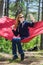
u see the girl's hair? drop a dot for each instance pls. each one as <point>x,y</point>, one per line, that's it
<point>17,20</point>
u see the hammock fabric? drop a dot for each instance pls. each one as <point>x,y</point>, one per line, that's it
<point>6,30</point>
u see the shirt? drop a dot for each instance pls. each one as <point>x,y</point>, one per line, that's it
<point>23,30</point>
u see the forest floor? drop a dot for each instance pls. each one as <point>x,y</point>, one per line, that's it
<point>31,58</point>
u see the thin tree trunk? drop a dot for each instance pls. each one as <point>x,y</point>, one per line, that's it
<point>6,7</point>
<point>39,11</point>
<point>41,44</point>
<point>26,10</point>
<point>19,8</point>
<point>1,8</point>
<point>38,20</point>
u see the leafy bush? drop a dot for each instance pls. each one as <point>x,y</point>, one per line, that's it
<point>34,42</point>
<point>6,45</point>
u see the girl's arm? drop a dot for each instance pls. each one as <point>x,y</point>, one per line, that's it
<point>31,24</point>
<point>15,31</point>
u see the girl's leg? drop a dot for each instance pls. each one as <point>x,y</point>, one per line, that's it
<point>20,50</point>
<point>14,49</point>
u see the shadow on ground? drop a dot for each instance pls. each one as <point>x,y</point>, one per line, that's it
<point>29,60</point>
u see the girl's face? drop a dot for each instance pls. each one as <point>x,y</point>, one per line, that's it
<point>21,18</point>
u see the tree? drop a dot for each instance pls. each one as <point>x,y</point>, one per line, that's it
<point>41,44</point>
<point>39,11</point>
<point>27,7</point>
<point>6,8</point>
<point>19,6</point>
<point>16,7</point>
<point>1,8</point>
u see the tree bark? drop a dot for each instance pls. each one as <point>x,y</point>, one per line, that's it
<point>1,8</point>
<point>39,11</point>
<point>6,8</point>
<point>41,44</point>
<point>26,10</point>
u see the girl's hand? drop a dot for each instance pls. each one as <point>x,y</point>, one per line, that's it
<point>32,18</point>
<point>13,26</point>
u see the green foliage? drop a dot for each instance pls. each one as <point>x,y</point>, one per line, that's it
<point>32,43</point>
<point>14,7</point>
<point>5,46</point>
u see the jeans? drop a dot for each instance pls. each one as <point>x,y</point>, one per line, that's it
<point>16,43</point>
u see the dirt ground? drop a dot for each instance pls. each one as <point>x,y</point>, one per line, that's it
<point>31,58</point>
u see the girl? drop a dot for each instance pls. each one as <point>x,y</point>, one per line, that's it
<point>21,29</point>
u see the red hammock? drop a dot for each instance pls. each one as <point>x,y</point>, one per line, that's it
<point>6,30</point>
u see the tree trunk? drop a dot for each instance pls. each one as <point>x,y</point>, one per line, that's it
<point>39,11</point>
<point>6,8</point>
<point>38,20</point>
<point>1,8</point>
<point>26,10</point>
<point>19,7</point>
<point>41,44</point>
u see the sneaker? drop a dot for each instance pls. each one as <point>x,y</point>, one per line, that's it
<point>22,57</point>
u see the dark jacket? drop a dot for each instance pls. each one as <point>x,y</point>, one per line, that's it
<point>22,29</point>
